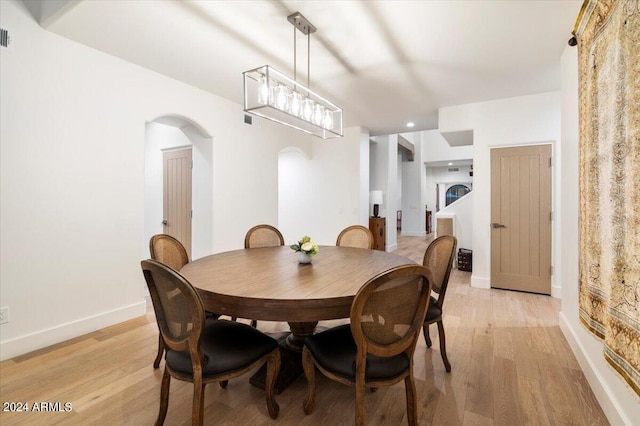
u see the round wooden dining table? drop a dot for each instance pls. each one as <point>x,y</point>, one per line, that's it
<point>269,284</point>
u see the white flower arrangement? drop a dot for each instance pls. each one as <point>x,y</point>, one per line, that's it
<point>306,246</point>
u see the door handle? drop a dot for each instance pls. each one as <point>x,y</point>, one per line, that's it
<point>498,225</point>
<point>164,222</point>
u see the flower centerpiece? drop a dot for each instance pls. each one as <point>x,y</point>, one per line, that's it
<point>305,248</point>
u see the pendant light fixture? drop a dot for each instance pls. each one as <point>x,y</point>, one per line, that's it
<point>270,94</point>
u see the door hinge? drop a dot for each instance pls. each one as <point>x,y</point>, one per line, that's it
<point>550,162</point>
<point>550,270</point>
<point>192,164</point>
<point>191,214</point>
<point>551,216</point>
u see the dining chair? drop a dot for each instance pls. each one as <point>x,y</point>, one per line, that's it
<point>377,348</point>
<point>168,250</point>
<point>356,236</point>
<point>262,236</point>
<point>201,350</point>
<point>438,259</point>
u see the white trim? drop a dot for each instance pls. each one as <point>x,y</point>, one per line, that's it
<point>610,405</point>
<point>392,247</point>
<point>556,290</point>
<point>480,282</point>
<point>57,334</point>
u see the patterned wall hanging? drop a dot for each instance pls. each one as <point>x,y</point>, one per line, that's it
<point>608,35</point>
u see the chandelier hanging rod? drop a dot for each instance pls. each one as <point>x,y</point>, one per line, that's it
<point>274,96</point>
<point>303,25</point>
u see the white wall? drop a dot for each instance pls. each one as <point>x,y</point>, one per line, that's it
<point>202,192</point>
<point>443,175</point>
<point>159,137</point>
<point>516,121</point>
<point>429,193</point>
<point>446,179</point>
<point>365,164</point>
<point>383,176</point>
<point>436,148</point>
<point>72,180</point>
<point>616,399</point>
<point>462,213</point>
<point>321,195</point>
<point>399,184</point>
<point>413,197</point>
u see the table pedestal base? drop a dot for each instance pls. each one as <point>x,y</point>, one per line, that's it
<point>290,356</point>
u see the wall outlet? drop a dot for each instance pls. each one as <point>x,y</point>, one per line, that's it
<point>4,315</point>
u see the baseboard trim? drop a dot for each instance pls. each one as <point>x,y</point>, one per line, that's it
<point>50,336</point>
<point>391,247</point>
<point>480,282</point>
<point>556,292</point>
<point>605,396</point>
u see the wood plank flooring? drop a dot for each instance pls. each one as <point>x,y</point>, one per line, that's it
<point>510,366</point>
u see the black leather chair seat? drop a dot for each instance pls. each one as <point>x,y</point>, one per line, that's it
<point>227,345</point>
<point>433,311</point>
<point>335,350</point>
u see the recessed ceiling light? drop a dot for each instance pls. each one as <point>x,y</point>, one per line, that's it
<point>450,164</point>
<point>411,124</point>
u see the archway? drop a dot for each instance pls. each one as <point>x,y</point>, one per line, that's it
<point>170,132</point>
<point>295,200</point>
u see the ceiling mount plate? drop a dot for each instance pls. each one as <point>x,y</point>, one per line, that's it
<point>301,23</point>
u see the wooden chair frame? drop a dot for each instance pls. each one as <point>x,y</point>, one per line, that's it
<point>155,255</point>
<point>247,244</point>
<point>440,288</point>
<point>364,346</point>
<point>192,344</point>
<point>247,238</point>
<point>352,229</point>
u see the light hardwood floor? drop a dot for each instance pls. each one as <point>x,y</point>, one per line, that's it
<point>510,366</point>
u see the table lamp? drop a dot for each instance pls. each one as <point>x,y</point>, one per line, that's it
<point>376,200</point>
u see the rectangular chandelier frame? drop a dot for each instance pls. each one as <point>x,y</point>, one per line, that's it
<point>270,94</point>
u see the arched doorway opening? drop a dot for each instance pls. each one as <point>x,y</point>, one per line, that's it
<point>295,201</point>
<point>170,133</point>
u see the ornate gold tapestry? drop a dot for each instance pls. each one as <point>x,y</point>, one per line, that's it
<point>608,34</point>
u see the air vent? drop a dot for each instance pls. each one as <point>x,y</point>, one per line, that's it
<point>4,37</point>
<point>453,169</point>
<point>247,119</point>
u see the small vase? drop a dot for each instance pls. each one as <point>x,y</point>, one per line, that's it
<point>303,257</point>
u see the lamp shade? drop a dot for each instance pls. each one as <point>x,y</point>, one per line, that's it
<point>376,197</point>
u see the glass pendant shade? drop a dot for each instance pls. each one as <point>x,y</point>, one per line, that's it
<point>296,104</point>
<point>270,94</point>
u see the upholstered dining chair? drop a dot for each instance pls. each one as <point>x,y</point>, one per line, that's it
<point>438,259</point>
<point>168,250</point>
<point>262,236</point>
<point>356,236</point>
<point>377,348</point>
<point>201,350</point>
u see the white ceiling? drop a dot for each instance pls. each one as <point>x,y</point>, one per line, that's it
<point>384,62</point>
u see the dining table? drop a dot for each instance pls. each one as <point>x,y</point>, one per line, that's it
<point>269,284</point>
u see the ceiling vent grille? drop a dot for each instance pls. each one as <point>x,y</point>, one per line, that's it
<point>4,37</point>
<point>453,169</point>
